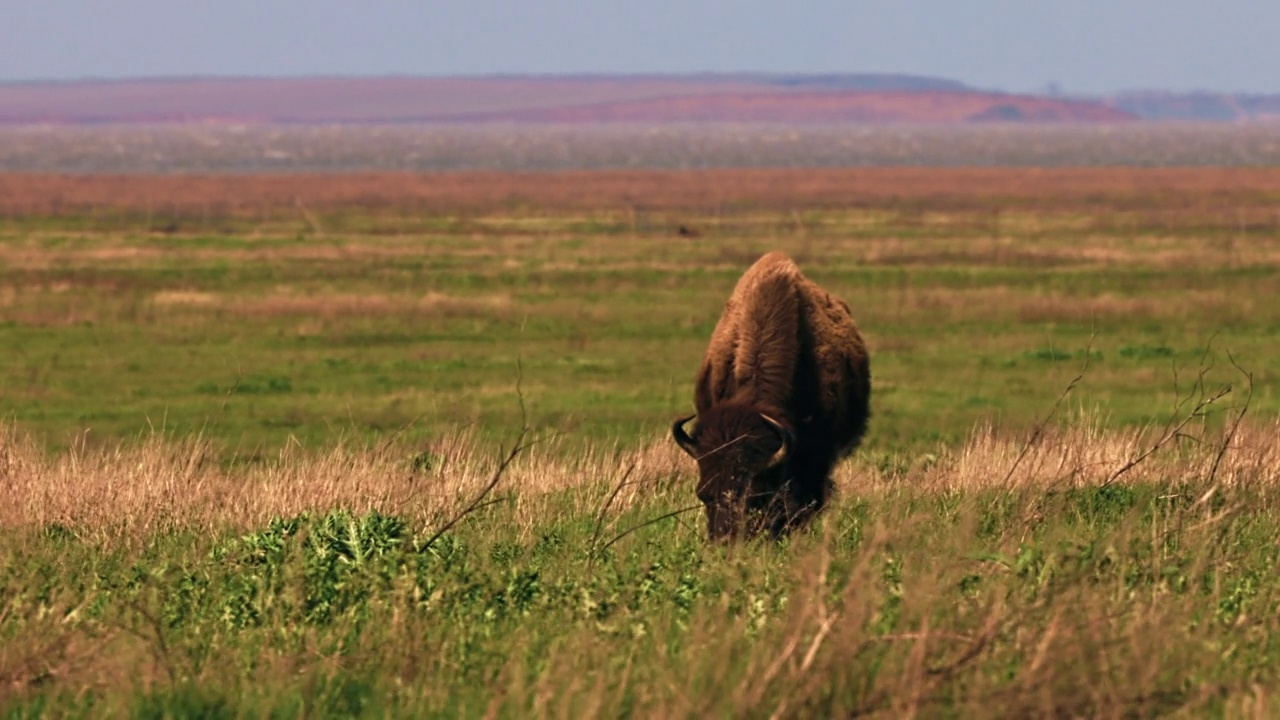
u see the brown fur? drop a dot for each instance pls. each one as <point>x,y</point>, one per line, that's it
<point>784,349</point>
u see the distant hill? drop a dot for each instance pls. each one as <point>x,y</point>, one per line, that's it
<point>1200,106</point>
<point>824,107</point>
<point>871,82</point>
<point>733,97</point>
<point>327,99</point>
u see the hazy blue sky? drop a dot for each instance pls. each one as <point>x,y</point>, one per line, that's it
<point>1084,45</point>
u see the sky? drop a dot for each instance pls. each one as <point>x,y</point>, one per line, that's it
<point>1083,46</point>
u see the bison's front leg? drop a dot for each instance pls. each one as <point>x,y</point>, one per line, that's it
<point>792,516</point>
<point>792,508</point>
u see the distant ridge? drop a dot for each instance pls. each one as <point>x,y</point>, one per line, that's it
<point>1199,106</point>
<point>824,107</point>
<point>873,98</point>
<point>869,82</point>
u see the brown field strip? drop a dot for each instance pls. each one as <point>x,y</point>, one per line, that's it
<point>24,194</point>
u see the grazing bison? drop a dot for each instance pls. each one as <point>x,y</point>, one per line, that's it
<point>783,394</point>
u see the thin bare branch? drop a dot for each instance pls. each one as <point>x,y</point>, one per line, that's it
<point>155,642</point>
<point>989,633</point>
<point>649,522</point>
<point>1230,433</point>
<point>1169,434</point>
<point>617,489</point>
<point>479,500</point>
<point>1044,423</point>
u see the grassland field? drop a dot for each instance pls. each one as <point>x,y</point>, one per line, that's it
<point>306,322</point>
<point>242,414</point>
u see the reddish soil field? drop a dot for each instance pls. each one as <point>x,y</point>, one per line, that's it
<point>1194,189</point>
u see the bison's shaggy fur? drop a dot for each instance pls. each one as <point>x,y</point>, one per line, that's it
<point>782,395</point>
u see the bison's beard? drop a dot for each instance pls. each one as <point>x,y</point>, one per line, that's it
<point>775,515</point>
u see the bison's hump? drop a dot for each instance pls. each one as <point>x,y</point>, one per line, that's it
<point>774,316</point>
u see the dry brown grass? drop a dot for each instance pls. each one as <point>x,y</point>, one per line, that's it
<point>140,488</point>
<point>155,484</point>
<point>335,305</point>
<point>1087,454</point>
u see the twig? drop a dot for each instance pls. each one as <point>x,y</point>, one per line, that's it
<point>306,215</point>
<point>479,500</point>
<point>1235,425</point>
<point>1196,387</point>
<point>1039,429</point>
<point>491,501</point>
<point>825,621</point>
<point>821,635</point>
<point>226,399</point>
<point>984,639</point>
<point>934,675</point>
<point>1168,435</point>
<point>1173,427</point>
<point>916,636</point>
<point>617,489</point>
<point>825,618</point>
<point>649,522</point>
<point>386,443</point>
<point>762,684</point>
<point>159,648</point>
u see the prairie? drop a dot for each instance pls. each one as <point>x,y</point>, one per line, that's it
<point>368,305</point>
<point>371,445</point>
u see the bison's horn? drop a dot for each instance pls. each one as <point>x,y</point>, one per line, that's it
<point>784,451</point>
<point>682,438</point>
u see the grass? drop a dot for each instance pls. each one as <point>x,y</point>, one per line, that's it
<point>994,578</point>
<point>268,332</point>
<point>238,462</point>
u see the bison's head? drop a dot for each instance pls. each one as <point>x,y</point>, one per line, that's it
<point>743,465</point>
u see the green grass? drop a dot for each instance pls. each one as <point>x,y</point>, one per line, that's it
<point>255,339</point>
<point>1134,600</point>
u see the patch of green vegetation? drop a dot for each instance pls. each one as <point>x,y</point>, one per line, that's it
<point>338,613</point>
<point>1051,354</point>
<point>1146,352</point>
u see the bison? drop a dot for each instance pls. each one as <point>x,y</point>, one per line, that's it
<point>783,393</point>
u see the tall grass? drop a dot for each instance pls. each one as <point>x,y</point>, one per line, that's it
<point>999,578</point>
